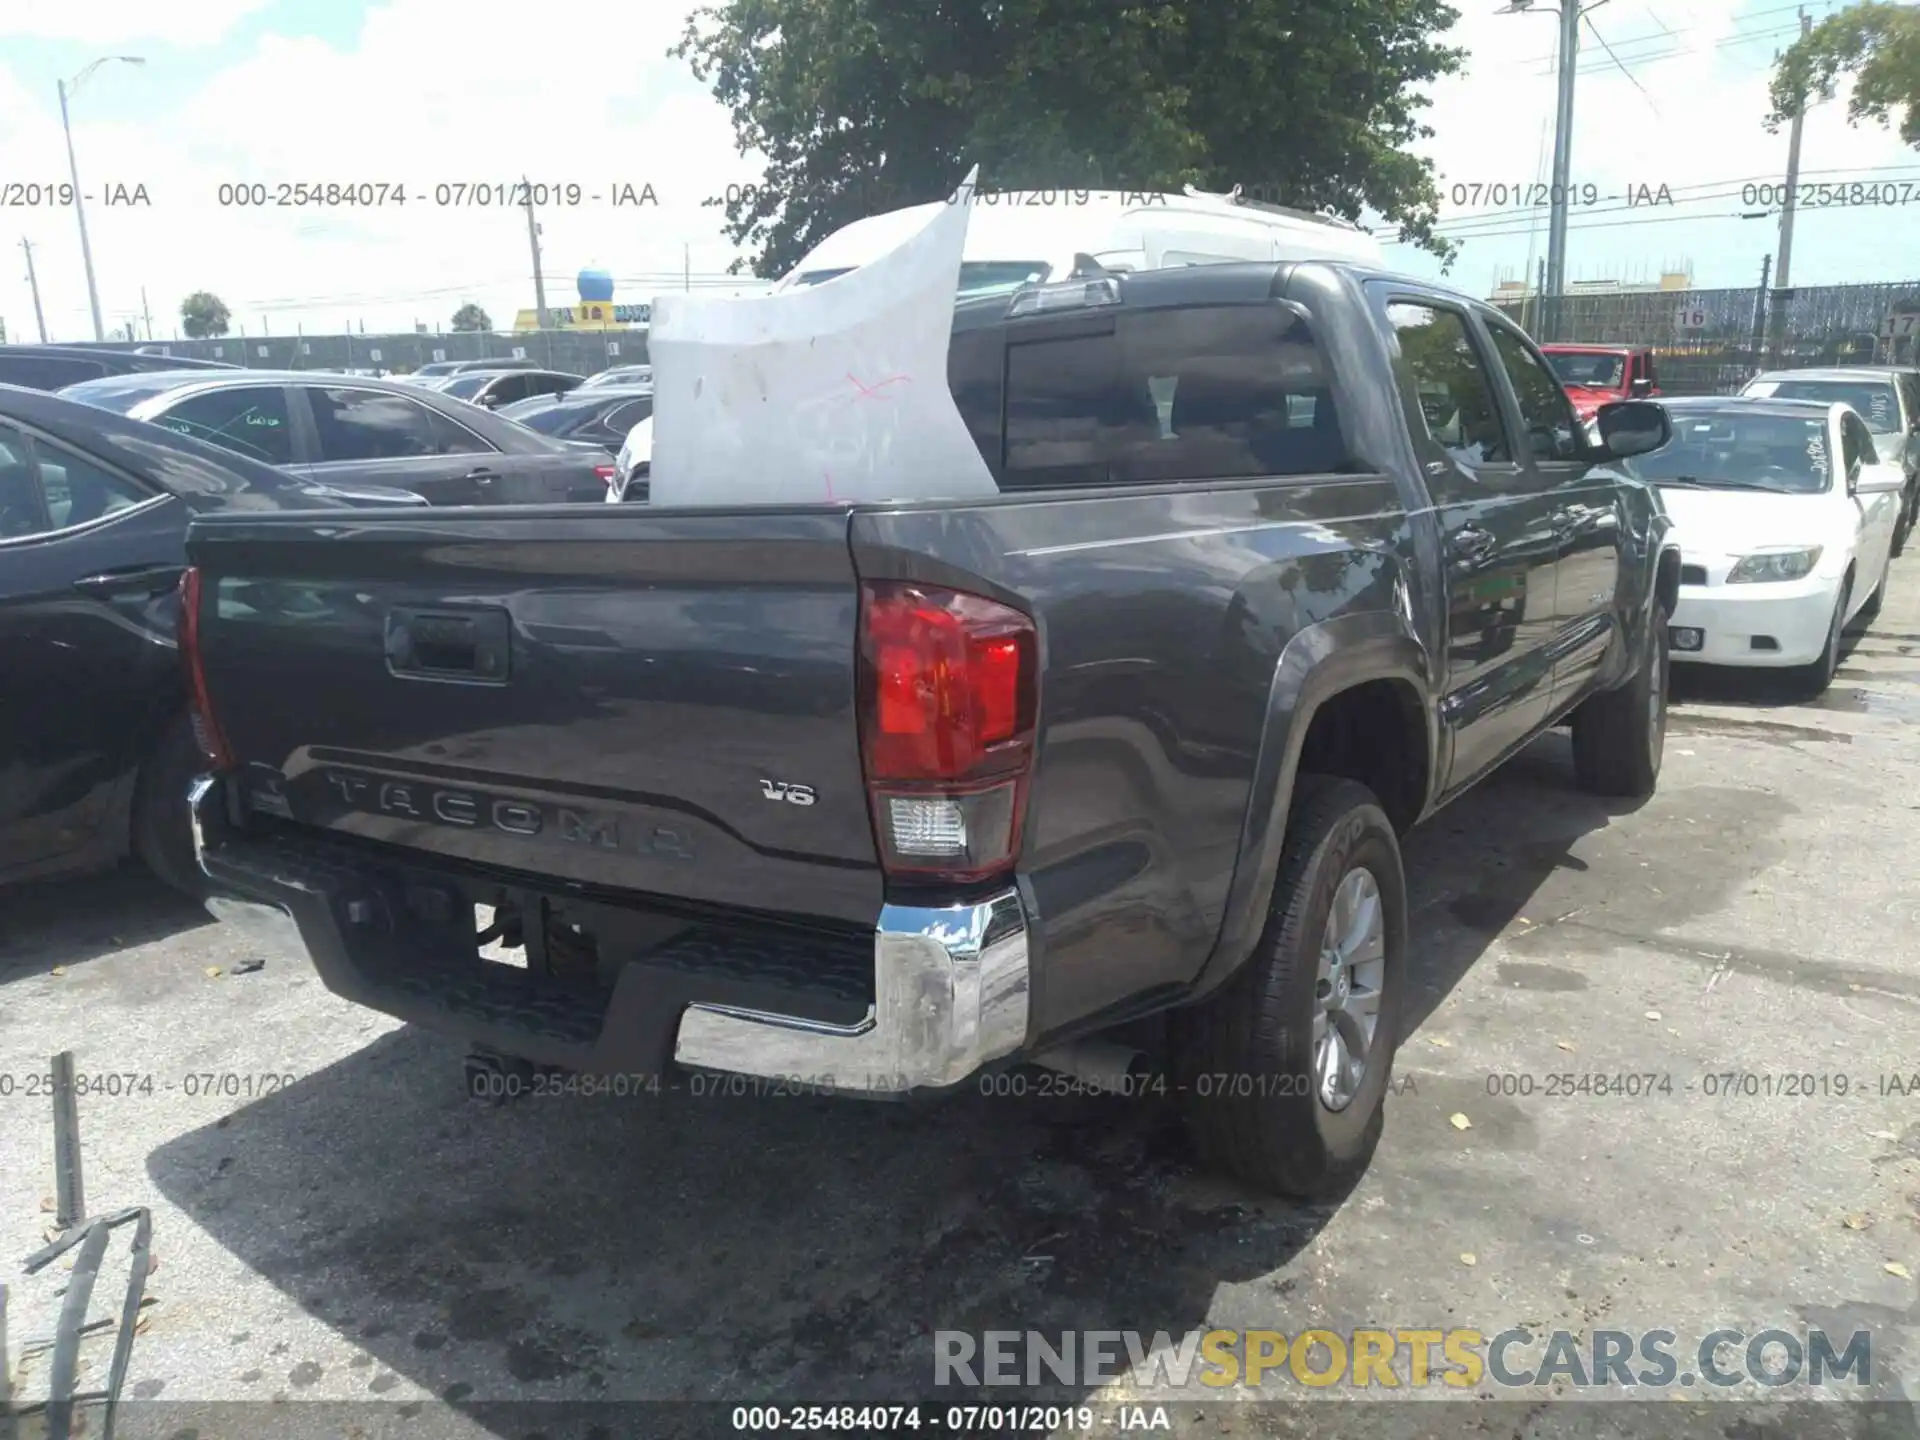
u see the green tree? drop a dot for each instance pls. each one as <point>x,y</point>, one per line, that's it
<point>471,317</point>
<point>867,105</point>
<point>204,315</point>
<point>1878,44</point>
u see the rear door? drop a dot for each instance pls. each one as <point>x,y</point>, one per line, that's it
<point>1589,514</point>
<point>379,437</point>
<point>88,561</point>
<point>1500,541</point>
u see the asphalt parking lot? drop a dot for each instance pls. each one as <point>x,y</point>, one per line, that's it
<point>363,1231</point>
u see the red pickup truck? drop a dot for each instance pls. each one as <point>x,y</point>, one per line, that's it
<point>1597,375</point>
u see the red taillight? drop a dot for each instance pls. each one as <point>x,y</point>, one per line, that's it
<point>206,729</point>
<point>606,474</point>
<point>947,683</point>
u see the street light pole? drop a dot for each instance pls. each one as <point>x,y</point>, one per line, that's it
<point>1570,12</point>
<point>1562,164</point>
<point>73,168</point>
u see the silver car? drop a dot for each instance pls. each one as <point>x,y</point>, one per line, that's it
<point>1887,398</point>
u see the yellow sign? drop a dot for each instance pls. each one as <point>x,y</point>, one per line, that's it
<point>586,315</point>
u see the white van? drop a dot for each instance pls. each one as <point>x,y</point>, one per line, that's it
<point>1025,237</point>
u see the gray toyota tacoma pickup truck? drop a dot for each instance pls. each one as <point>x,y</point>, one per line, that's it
<point>882,798</point>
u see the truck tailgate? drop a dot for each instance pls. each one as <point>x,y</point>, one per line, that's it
<point>647,701</point>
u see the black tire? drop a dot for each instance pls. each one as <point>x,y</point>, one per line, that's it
<point>1871,609</point>
<point>1249,1046</point>
<point>162,835</point>
<point>1815,678</point>
<point>1620,735</point>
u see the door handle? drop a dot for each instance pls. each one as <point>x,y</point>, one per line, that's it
<point>483,476</point>
<point>131,580</point>
<point>1471,542</point>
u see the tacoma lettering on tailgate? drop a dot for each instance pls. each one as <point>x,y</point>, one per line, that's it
<point>474,809</point>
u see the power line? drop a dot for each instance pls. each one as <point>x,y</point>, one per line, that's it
<point>1616,60</point>
<point>1738,35</point>
<point>1707,190</point>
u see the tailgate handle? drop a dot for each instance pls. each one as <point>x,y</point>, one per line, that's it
<point>464,646</point>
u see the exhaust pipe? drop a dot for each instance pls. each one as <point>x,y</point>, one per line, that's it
<point>1102,1064</point>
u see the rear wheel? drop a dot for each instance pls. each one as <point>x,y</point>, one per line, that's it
<point>162,833</point>
<point>1620,736</point>
<point>1284,1070</point>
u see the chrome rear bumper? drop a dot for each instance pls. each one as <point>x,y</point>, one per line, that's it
<point>951,994</point>
<point>951,983</point>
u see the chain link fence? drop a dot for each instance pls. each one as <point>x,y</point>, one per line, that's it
<point>1713,341</point>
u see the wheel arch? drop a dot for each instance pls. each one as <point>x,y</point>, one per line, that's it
<point>1351,696</point>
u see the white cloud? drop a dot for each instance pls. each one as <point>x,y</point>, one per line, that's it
<point>115,22</point>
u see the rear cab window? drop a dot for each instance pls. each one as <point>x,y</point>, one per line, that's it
<point>1181,393</point>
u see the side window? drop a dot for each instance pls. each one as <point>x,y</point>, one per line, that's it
<point>1216,392</point>
<point>623,418</point>
<point>250,420</point>
<point>550,384</point>
<point>1552,429</point>
<point>1455,392</point>
<point>1647,369</point>
<point>47,372</point>
<point>509,388</point>
<point>373,425</point>
<point>45,488</point>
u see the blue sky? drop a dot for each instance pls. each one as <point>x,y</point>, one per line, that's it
<point>420,92</point>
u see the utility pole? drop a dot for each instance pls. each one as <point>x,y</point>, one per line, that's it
<point>533,239</point>
<point>33,284</point>
<point>1562,163</point>
<point>1760,315</point>
<point>1784,280</point>
<point>146,311</point>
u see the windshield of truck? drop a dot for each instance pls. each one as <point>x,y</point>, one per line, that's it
<point>1734,449</point>
<point>1874,399</point>
<point>1594,369</point>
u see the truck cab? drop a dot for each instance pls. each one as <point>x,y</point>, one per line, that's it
<point>1596,375</point>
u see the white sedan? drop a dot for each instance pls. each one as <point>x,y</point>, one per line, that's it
<point>1785,516</point>
<point>633,463</point>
